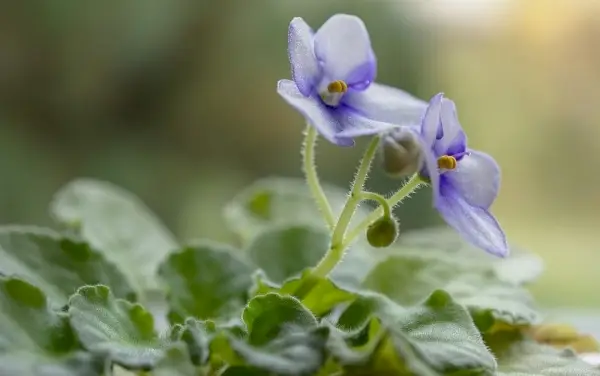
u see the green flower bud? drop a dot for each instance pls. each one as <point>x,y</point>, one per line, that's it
<point>400,153</point>
<point>383,232</point>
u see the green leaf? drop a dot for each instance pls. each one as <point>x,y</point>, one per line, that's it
<point>176,362</point>
<point>200,337</point>
<point>445,336</point>
<point>531,359</point>
<point>35,364</point>
<point>244,371</point>
<point>285,251</point>
<point>58,264</point>
<point>492,302</point>
<point>292,353</point>
<point>115,328</point>
<point>266,316</point>
<point>33,336</point>
<point>280,201</point>
<point>409,277</point>
<point>445,244</point>
<point>117,223</point>
<point>350,348</point>
<point>205,281</point>
<point>437,335</point>
<point>322,297</point>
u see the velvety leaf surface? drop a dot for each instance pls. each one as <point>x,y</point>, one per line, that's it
<point>474,279</point>
<point>323,295</point>
<point>266,316</point>
<point>446,244</point>
<point>57,264</point>
<point>437,335</point>
<point>118,224</point>
<point>281,202</point>
<point>26,363</point>
<point>442,332</point>
<point>274,201</point>
<point>34,339</point>
<point>205,281</point>
<point>290,353</point>
<point>115,328</point>
<point>285,251</point>
<point>531,359</point>
<point>176,362</point>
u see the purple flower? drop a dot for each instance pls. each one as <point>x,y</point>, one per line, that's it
<point>465,182</point>
<point>333,72</point>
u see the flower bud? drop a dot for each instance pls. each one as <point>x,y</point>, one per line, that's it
<point>383,232</point>
<point>400,153</point>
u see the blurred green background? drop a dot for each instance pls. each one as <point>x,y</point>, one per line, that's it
<point>175,100</point>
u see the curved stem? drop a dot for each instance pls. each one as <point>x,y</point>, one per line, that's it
<point>382,201</point>
<point>411,185</point>
<point>336,250</point>
<point>310,171</point>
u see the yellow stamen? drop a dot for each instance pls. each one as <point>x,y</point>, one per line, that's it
<point>338,86</point>
<point>446,162</point>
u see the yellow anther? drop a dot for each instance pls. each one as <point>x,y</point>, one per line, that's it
<point>446,162</point>
<point>338,86</point>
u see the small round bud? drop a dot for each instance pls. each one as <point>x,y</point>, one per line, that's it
<point>401,153</point>
<point>383,232</point>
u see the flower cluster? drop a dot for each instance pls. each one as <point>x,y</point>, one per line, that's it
<point>333,71</point>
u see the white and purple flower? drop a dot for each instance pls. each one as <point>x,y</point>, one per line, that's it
<point>465,182</point>
<point>333,86</point>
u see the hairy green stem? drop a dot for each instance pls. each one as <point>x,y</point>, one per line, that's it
<point>411,185</point>
<point>382,201</point>
<point>310,171</point>
<point>336,249</point>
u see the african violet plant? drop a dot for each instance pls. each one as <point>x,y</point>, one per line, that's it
<point>305,291</point>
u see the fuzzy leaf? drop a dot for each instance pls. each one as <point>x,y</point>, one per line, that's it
<point>284,251</point>
<point>34,364</point>
<point>292,353</point>
<point>176,362</point>
<point>266,316</point>
<point>435,337</point>
<point>200,337</point>
<point>445,244</point>
<point>33,337</point>
<point>117,223</point>
<point>280,201</point>
<point>409,277</point>
<point>321,298</point>
<point>115,328</point>
<point>205,281</point>
<point>244,371</point>
<point>58,264</point>
<point>531,359</point>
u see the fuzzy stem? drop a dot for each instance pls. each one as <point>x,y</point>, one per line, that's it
<point>411,185</point>
<point>382,201</point>
<point>310,171</point>
<point>336,250</point>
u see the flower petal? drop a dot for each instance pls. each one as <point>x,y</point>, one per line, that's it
<point>454,140</point>
<point>387,104</point>
<point>429,170</point>
<point>343,46</point>
<point>305,67</point>
<point>314,111</point>
<point>475,224</point>
<point>476,179</point>
<point>354,124</point>
<point>431,127</point>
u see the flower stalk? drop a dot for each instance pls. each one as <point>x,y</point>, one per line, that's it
<point>312,178</point>
<point>409,187</point>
